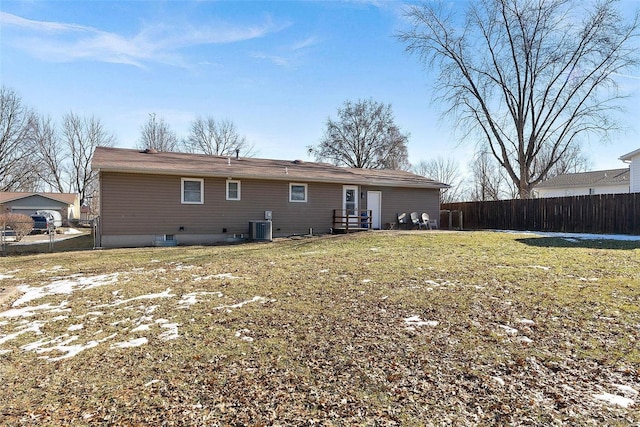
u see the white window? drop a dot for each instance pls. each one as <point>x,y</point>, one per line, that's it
<point>192,191</point>
<point>297,192</point>
<point>233,190</point>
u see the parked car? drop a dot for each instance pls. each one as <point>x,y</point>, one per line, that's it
<point>54,216</point>
<point>41,224</point>
<point>8,235</point>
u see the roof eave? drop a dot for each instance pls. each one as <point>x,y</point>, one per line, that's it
<point>627,157</point>
<point>284,177</point>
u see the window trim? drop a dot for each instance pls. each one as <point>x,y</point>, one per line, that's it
<point>306,192</point>
<point>186,202</point>
<point>234,181</point>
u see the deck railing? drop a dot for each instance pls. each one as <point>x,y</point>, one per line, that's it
<point>346,220</point>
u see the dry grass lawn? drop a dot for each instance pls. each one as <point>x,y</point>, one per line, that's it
<point>380,328</point>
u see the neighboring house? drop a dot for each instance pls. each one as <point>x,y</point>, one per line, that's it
<point>634,167</point>
<point>68,204</point>
<point>195,198</point>
<point>585,183</point>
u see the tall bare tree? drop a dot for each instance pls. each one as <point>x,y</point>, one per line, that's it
<point>488,179</point>
<point>157,135</point>
<point>51,153</point>
<point>82,136</point>
<point>364,136</point>
<point>16,142</point>
<point>530,76</point>
<point>216,138</point>
<point>446,171</point>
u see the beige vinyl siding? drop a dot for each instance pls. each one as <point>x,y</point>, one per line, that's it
<point>140,204</point>
<point>397,200</point>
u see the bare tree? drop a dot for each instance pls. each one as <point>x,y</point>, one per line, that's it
<point>446,171</point>
<point>531,77</point>
<point>488,179</point>
<point>363,136</point>
<point>16,144</point>
<point>82,136</point>
<point>157,135</point>
<point>216,138</point>
<point>573,162</point>
<point>51,153</point>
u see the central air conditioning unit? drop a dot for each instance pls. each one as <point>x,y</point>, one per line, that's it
<point>260,230</point>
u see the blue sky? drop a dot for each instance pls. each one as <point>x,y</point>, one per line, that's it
<point>277,69</point>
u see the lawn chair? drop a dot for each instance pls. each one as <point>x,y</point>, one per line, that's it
<point>402,220</point>
<point>430,224</point>
<point>424,221</point>
<point>415,221</point>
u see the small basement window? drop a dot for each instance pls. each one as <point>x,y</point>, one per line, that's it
<point>233,190</point>
<point>297,192</point>
<point>192,191</point>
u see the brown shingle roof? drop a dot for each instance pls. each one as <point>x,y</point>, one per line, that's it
<point>68,198</point>
<point>593,178</point>
<point>200,165</point>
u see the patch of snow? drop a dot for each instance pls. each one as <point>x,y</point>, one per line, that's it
<point>415,321</point>
<point>172,332</point>
<point>525,340</point>
<point>65,286</point>
<point>324,271</point>
<point>53,269</point>
<point>30,311</point>
<point>626,389</point>
<point>498,380</point>
<point>191,298</point>
<point>526,321</point>
<point>23,329</point>
<point>243,303</point>
<point>366,280</point>
<point>6,276</point>
<point>164,294</point>
<point>63,346</point>
<point>579,236</point>
<point>72,231</point>
<point>541,267</point>
<point>75,327</point>
<point>509,330</point>
<point>242,334</point>
<point>135,342</point>
<point>225,276</point>
<point>614,399</point>
<point>140,328</point>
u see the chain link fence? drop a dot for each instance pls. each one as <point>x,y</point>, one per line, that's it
<point>28,236</point>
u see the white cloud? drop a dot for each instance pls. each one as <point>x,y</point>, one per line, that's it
<point>278,60</point>
<point>303,44</point>
<point>290,54</point>
<point>62,42</point>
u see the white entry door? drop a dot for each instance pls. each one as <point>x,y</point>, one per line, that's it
<point>350,204</point>
<point>374,204</point>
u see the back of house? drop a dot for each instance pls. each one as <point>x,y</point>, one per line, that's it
<point>148,197</point>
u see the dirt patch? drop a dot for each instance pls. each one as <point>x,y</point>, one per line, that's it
<point>7,292</point>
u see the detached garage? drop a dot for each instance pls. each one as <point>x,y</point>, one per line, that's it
<point>68,204</point>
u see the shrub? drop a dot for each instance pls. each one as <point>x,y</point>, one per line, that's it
<point>21,224</point>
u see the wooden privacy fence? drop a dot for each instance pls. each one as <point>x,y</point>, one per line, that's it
<point>601,213</point>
